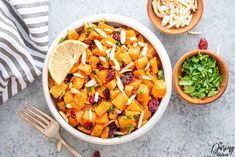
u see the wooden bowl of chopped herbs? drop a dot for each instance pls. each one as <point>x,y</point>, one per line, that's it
<point>200,77</point>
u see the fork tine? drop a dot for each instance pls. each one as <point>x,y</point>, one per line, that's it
<point>46,121</point>
<point>44,114</point>
<point>32,123</point>
<point>33,118</point>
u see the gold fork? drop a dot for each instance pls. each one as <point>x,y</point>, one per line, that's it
<point>46,125</point>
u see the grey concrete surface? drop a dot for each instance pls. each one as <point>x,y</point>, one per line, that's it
<point>184,130</point>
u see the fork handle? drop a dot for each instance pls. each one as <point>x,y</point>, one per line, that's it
<point>70,148</point>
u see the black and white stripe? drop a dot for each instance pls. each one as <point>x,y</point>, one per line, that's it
<point>23,43</point>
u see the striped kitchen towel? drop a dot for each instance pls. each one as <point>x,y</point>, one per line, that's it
<point>23,43</point>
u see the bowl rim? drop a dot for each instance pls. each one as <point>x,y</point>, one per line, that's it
<point>185,96</point>
<point>150,36</point>
<point>175,31</point>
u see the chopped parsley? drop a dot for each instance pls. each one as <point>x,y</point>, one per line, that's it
<point>111,109</point>
<point>94,72</point>
<point>140,91</point>
<point>160,75</point>
<point>129,126</point>
<point>89,89</point>
<point>201,77</point>
<point>127,117</point>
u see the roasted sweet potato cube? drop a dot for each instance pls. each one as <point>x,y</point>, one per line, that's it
<point>86,117</point>
<point>82,129</point>
<point>128,89</point>
<point>85,68</point>
<point>80,98</point>
<point>130,33</point>
<point>93,35</point>
<point>124,121</point>
<point>120,101</point>
<point>141,62</point>
<point>102,119</point>
<point>57,90</point>
<point>97,130</point>
<point>102,107</point>
<point>134,106</point>
<point>72,121</point>
<point>78,107</point>
<point>72,34</point>
<point>125,57</point>
<point>148,83</point>
<point>151,51</point>
<point>105,132</point>
<point>102,75</point>
<point>61,106</point>
<point>112,84</point>
<point>140,38</point>
<point>78,82</point>
<point>68,97</point>
<point>82,36</point>
<point>147,115</point>
<point>143,92</point>
<point>110,39</point>
<point>79,116</point>
<point>113,115</point>
<point>139,73</point>
<point>152,76</point>
<point>159,89</point>
<point>97,52</point>
<point>93,61</point>
<point>153,65</point>
<point>136,83</point>
<point>133,53</point>
<point>114,93</point>
<point>106,28</point>
<point>131,113</point>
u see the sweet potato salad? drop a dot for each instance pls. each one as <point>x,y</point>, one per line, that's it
<point>115,86</point>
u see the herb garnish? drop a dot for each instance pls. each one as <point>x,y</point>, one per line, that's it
<point>127,117</point>
<point>201,77</point>
<point>160,75</point>
<point>111,109</point>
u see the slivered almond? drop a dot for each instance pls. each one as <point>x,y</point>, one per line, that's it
<point>96,96</point>
<point>84,57</point>
<point>130,99</point>
<point>86,102</point>
<point>112,53</point>
<point>111,121</point>
<point>140,119</point>
<point>116,122</point>
<point>102,59</point>
<point>142,44</point>
<point>133,39</point>
<point>98,44</point>
<point>123,36</point>
<point>108,51</point>
<point>118,133</point>
<point>90,115</point>
<point>92,82</point>
<point>144,51</point>
<point>165,20</point>
<point>69,106</point>
<point>110,43</point>
<point>120,85</point>
<point>147,66</point>
<point>108,30</point>
<point>64,116</point>
<point>188,20</point>
<point>125,70</point>
<point>135,44</point>
<point>124,46</point>
<point>118,29</point>
<point>101,32</point>
<point>74,91</point>
<point>117,111</point>
<point>78,75</point>
<point>128,66</point>
<point>117,65</point>
<point>70,85</point>
<point>146,77</point>
<point>62,95</point>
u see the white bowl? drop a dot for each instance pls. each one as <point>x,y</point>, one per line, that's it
<point>166,68</point>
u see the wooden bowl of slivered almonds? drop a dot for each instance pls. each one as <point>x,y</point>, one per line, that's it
<point>200,77</point>
<point>175,17</point>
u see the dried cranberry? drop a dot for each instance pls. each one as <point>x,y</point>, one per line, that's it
<point>73,114</point>
<point>91,99</point>
<point>110,75</point>
<point>127,78</point>
<point>115,36</point>
<point>203,44</point>
<point>111,133</point>
<point>99,66</point>
<point>153,105</point>
<point>112,126</point>
<point>90,43</point>
<point>68,78</point>
<point>96,154</point>
<point>106,93</point>
<point>88,125</point>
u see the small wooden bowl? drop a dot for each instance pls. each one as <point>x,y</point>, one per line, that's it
<point>178,71</point>
<point>157,20</point>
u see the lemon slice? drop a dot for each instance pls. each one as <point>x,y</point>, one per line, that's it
<point>63,58</point>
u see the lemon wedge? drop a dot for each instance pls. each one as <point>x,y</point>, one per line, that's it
<point>63,57</point>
